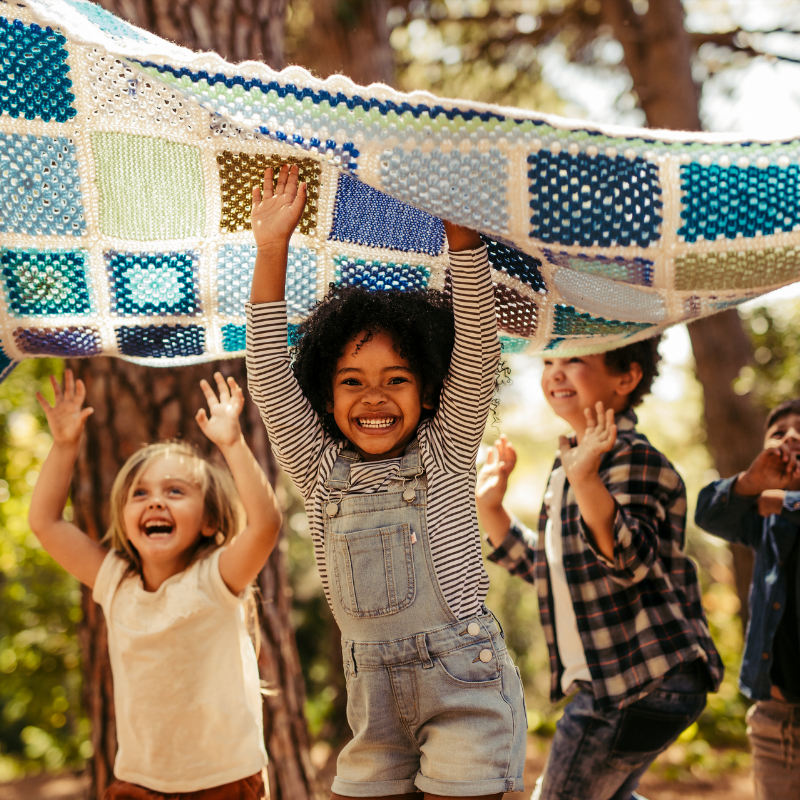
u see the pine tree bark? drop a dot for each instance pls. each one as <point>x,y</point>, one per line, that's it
<point>136,405</point>
<point>658,56</point>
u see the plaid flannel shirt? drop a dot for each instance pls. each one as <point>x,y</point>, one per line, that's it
<point>640,614</point>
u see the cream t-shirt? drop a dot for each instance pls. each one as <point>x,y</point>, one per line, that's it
<point>186,687</point>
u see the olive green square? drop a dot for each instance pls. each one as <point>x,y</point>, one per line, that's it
<point>150,188</point>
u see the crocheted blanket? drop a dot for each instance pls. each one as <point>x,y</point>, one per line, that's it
<point>127,162</point>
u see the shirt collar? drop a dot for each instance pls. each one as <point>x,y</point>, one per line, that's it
<point>626,420</point>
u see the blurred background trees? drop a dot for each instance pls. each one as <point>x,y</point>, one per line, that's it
<point>715,64</point>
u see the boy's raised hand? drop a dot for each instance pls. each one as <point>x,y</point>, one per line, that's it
<point>583,461</point>
<point>492,482</point>
<point>222,427</point>
<point>276,211</point>
<point>772,468</point>
<point>67,417</point>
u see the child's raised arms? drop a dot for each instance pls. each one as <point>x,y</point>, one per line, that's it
<point>274,216</point>
<point>491,487</point>
<point>66,543</point>
<point>243,558</point>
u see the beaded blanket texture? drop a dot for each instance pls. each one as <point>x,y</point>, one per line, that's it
<point>127,165</point>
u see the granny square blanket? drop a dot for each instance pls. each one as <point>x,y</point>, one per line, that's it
<point>127,165</point>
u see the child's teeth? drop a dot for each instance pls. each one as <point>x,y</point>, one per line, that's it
<point>376,423</point>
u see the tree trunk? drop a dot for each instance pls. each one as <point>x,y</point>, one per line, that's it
<point>658,56</point>
<point>348,36</point>
<point>136,405</point>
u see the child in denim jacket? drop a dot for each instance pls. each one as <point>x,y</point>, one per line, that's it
<point>618,599</point>
<point>761,508</point>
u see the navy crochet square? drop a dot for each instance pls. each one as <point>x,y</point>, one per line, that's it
<point>727,201</point>
<point>65,342</point>
<point>363,215</point>
<point>34,73</point>
<point>594,201</point>
<point>510,260</point>
<point>161,341</point>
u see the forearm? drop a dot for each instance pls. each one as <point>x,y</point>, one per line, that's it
<point>598,511</point>
<point>52,489</point>
<point>258,499</point>
<point>496,521</point>
<point>269,273</point>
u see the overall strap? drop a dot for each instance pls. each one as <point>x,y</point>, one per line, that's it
<point>339,479</point>
<point>411,465</point>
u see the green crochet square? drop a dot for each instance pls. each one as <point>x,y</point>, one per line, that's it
<point>743,269</point>
<point>149,188</point>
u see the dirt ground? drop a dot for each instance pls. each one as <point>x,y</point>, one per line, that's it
<point>733,785</point>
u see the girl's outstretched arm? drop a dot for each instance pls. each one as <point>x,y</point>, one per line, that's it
<point>243,558</point>
<point>66,543</point>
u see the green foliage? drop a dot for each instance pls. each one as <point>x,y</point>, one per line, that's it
<point>41,725</point>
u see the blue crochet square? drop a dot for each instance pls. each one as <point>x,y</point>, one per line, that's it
<point>628,270</point>
<point>40,186</point>
<point>45,283</point>
<point>363,215</point>
<point>233,338</point>
<point>512,344</point>
<point>33,72</point>
<point>72,342</point>
<point>235,264</point>
<point>598,200</point>
<point>161,341</point>
<point>507,259</point>
<point>380,274</point>
<point>464,187</point>
<point>726,202</point>
<point>153,284</point>
<point>570,322</point>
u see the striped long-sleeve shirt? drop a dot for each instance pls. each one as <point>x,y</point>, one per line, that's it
<point>448,441</point>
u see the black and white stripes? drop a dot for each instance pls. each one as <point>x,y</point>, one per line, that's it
<point>448,442</point>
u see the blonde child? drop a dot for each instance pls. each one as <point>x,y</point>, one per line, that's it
<point>172,577</point>
<point>378,420</point>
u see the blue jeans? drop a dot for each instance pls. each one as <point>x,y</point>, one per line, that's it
<point>601,755</point>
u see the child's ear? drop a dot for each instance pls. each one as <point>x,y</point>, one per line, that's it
<point>329,406</point>
<point>629,380</point>
<point>427,399</point>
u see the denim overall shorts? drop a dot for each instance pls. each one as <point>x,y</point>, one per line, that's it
<point>435,703</point>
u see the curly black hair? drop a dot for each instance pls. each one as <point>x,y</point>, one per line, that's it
<point>645,354</point>
<point>420,324</point>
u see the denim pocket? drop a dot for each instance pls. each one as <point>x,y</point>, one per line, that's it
<point>374,570</point>
<point>464,667</point>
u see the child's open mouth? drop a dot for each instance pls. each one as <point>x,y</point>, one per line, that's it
<point>158,528</point>
<point>372,423</point>
<point>561,394</point>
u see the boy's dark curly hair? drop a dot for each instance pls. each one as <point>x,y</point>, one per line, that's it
<point>645,354</point>
<point>420,324</point>
<point>783,410</point>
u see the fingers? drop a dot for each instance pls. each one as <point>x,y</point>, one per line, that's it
<point>201,418</point>
<point>211,398</point>
<point>222,388</point>
<point>46,407</point>
<point>56,389</point>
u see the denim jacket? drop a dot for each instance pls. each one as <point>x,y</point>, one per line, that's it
<point>735,518</point>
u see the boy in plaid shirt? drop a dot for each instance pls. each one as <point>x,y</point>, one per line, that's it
<point>618,599</point>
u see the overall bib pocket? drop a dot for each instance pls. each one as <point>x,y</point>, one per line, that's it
<point>374,570</point>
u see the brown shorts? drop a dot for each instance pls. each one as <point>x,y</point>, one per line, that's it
<point>251,788</point>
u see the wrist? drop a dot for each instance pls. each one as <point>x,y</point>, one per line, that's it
<point>745,485</point>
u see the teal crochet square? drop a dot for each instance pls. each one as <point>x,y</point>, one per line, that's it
<point>233,338</point>
<point>106,21</point>
<point>46,283</point>
<point>153,284</point>
<point>149,188</point>
<point>40,186</point>
<point>33,73</point>
<point>570,322</point>
<point>731,201</point>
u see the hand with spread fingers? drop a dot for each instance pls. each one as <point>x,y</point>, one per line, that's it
<point>583,461</point>
<point>221,423</point>
<point>277,209</point>
<point>66,417</point>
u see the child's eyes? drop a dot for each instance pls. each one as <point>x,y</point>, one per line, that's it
<point>398,379</point>
<point>350,382</point>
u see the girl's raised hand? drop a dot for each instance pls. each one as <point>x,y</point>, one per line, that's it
<point>67,417</point>
<point>492,482</point>
<point>222,426</point>
<point>276,212</point>
<point>583,461</point>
